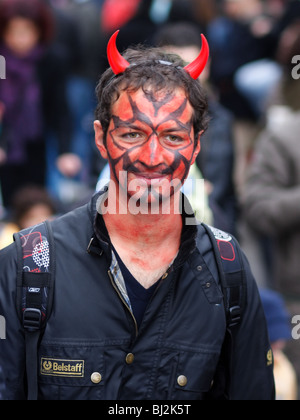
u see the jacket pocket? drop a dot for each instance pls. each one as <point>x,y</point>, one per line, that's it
<point>71,372</point>
<point>194,375</point>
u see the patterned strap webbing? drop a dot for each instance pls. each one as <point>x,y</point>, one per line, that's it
<point>35,273</point>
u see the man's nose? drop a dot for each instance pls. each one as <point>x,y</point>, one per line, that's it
<point>152,152</point>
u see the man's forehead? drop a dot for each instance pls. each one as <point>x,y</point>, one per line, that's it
<point>156,105</point>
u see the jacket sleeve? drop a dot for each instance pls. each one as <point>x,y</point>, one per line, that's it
<point>252,359</point>
<point>12,348</point>
<point>2,386</point>
<point>271,200</point>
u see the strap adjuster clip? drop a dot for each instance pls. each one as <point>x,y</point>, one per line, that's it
<point>32,319</point>
<point>235,316</point>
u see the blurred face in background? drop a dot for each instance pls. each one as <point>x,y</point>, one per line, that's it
<point>189,54</point>
<point>35,215</point>
<point>243,9</point>
<point>21,36</point>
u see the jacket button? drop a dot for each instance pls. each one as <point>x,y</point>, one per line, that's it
<point>96,378</point>
<point>182,380</point>
<point>199,268</point>
<point>129,358</point>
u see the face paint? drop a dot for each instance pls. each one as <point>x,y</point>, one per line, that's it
<point>151,140</point>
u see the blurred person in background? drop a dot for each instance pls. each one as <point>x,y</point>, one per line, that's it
<point>256,80</point>
<point>33,96</point>
<point>31,206</point>
<point>272,194</point>
<point>240,36</point>
<point>280,333</point>
<point>80,36</point>
<point>143,18</point>
<point>116,13</point>
<point>205,11</point>
<point>233,44</point>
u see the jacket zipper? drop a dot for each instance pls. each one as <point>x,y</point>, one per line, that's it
<point>123,300</point>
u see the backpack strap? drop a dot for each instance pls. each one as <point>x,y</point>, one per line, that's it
<point>35,287</point>
<point>231,272</point>
<point>233,283</point>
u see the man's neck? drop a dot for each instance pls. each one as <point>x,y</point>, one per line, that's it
<point>147,243</point>
<point>144,230</point>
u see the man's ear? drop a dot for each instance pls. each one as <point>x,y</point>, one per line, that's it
<point>197,148</point>
<point>99,139</point>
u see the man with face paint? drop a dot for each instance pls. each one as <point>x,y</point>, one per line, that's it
<point>138,312</point>
<point>150,145</point>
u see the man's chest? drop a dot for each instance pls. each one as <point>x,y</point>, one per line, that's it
<point>146,276</point>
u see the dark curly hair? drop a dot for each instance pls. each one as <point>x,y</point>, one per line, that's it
<point>152,70</point>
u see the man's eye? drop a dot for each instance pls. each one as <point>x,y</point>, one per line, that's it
<point>173,139</point>
<point>131,136</point>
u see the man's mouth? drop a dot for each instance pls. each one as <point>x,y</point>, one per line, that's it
<point>151,178</point>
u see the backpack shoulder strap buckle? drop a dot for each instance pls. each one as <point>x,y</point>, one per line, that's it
<point>32,319</point>
<point>234,316</point>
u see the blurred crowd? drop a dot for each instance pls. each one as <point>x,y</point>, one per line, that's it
<point>55,52</point>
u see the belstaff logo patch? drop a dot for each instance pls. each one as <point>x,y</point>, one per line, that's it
<point>62,368</point>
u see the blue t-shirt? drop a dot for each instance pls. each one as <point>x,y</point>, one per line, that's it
<point>138,295</point>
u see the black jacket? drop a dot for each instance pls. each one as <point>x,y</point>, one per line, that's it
<point>91,348</point>
<point>2,386</point>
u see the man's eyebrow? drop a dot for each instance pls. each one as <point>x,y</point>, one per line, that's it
<point>175,130</point>
<point>128,125</point>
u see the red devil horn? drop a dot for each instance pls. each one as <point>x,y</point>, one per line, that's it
<point>197,66</point>
<point>117,63</point>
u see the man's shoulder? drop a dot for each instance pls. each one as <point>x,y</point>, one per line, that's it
<point>7,254</point>
<point>8,264</point>
<point>83,213</point>
<point>74,228</point>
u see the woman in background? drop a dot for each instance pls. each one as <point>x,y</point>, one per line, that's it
<point>32,95</point>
